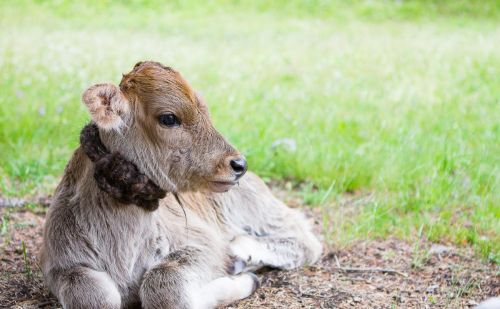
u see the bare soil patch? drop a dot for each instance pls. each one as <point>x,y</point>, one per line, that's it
<point>368,274</point>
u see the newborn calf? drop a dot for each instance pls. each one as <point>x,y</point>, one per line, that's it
<point>147,212</point>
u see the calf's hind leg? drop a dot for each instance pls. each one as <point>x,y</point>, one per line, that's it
<point>182,281</point>
<point>267,232</point>
<point>277,252</point>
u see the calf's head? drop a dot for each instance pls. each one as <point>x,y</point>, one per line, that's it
<point>156,120</point>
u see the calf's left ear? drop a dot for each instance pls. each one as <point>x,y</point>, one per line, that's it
<point>107,105</point>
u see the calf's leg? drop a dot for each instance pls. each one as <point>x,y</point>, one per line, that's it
<point>274,251</point>
<point>82,287</point>
<point>180,281</point>
<point>225,290</point>
<point>266,232</point>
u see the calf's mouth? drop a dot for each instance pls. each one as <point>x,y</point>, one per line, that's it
<point>221,186</point>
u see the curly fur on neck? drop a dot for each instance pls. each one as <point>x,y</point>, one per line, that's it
<point>117,176</point>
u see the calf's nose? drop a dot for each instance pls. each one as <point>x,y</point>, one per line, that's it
<point>239,166</point>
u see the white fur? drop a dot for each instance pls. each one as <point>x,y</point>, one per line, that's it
<point>108,286</point>
<point>224,291</point>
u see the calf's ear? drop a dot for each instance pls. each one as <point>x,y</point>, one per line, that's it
<point>107,106</point>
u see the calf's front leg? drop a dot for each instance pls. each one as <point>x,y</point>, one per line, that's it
<point>225,290</point>
<point>180,282</point>
<point>82,287</point>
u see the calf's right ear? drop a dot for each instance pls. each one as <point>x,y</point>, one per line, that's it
<point>107,105</point>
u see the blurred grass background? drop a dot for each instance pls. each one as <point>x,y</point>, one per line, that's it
<point>396,99</point>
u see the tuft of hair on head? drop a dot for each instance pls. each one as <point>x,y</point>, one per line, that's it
<point>152,76</point>
<point>107,106</point>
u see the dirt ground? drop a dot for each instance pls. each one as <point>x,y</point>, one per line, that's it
<point>368,274</point>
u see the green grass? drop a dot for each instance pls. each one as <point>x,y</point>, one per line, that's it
<point>397,99</point>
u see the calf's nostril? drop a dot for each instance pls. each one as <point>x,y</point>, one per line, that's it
<point>239,166</point>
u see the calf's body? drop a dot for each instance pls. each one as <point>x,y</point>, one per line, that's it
<point>194,251</point>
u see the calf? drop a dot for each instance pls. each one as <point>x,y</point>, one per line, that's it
<point>147,212</point>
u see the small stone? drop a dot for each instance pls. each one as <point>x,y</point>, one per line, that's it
<point>356,299</point>
<point>287,144</point>
<point>467,224</point>
<point>472,302</point>
<point>12,202</point>
<point>399,298</point>
<point>431,289</point>
<point>439,249</point>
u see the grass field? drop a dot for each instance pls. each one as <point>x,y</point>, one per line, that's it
<point>397,101</point>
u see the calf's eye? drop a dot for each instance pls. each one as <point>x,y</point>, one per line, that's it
<point>169,120</point>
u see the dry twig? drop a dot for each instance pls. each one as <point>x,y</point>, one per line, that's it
<point>372,270</point>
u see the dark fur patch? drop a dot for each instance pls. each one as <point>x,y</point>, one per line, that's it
<point>117,176</point>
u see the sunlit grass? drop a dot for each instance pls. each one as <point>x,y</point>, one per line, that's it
<point>405,110</point>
